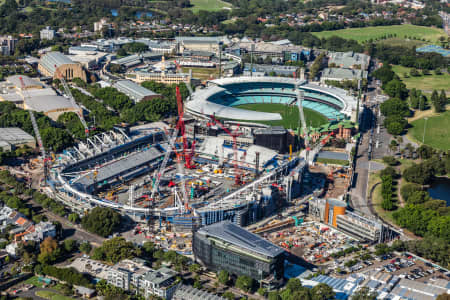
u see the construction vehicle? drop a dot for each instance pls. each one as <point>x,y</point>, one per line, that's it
<point>74,104</point>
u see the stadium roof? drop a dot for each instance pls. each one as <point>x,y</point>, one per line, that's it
<point>48,103</point>
<point>118,167</point>
<point>240,237</point>
<point>50,59</point>
<point>133,90</point>
<point>200,103</point>
<point>27,81</point>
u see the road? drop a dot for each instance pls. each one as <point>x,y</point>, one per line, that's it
<point>374,141</point>
<point>69,230</point>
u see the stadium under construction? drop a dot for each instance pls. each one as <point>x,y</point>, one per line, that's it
<point>189,175</point>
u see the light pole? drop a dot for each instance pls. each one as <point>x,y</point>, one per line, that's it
<point>424,130</point>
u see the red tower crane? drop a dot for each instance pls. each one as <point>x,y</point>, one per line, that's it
<point>234,135</point>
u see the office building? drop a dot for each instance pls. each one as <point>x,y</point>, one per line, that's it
<point>163,77</point>
<point>47,33</point>
<point>226,246</point>
<point>361,227</point>
<point>55,64</point>
<point>8,45</point>
<point>334,212</point>
<point>135,91</point>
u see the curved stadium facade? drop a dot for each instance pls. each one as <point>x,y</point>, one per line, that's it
<point>222,96</point>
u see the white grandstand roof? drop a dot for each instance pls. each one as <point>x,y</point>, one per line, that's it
<point>200,104</point>
<point>117,167</point>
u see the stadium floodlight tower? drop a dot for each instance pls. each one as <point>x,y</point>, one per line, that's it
<point>300,96</point>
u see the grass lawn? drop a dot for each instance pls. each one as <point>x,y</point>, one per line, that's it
<point>437,131</point>
<point>402,42</point>
<point>202,73</point>
<point>366,33</point>
<point>34,281</point>
<point>209,5</point>
<point>424,82</point>
<point>330,161</point>
<point>52,295</point>
<point>290,115</point>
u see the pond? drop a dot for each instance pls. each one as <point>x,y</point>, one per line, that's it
<point>440,189</point>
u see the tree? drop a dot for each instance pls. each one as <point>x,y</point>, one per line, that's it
<point>102,221</point>
<point>424,152</point>
<point>396,88</point>
<point>244,283</point>
<point>294,284</point>
<point>364,294</point>
<point>262,291</point>
<point>194,268</point>
<point>223,276</point>
<point>49,251</point>
<point>70,245</point>
<point>115,250</point>
<point>74,218</point>
<point>229,295</point>
<point>85,247</point>
<point>418,174</point>
<point>394,106</point>
<point>322,292</point>
<point>390,160</point>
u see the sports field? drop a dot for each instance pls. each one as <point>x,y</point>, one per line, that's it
<point>209,5</point>
<point>366,33</point>
<point>436,132</point>
<point>289,114</point>
<point>425,82</point>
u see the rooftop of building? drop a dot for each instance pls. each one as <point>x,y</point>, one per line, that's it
<point>133,89</point>
<point>48,103</point>
<point>160,276</point>
<point>344,73</point>
<point>27,81</point>
<point>236,235</point>
<point>270,130</point>
<point>191,293</point>
<point>348,59</point>
<point>15,135</point>
<point>126,59</point>
<point>52,59</point>
<point>199,39</point>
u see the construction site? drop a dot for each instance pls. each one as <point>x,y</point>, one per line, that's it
<point>175,179</point>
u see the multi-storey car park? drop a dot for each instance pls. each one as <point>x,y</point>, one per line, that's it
<point>117,169</point>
